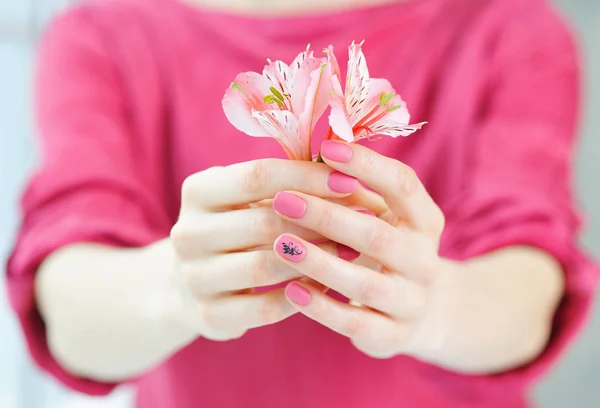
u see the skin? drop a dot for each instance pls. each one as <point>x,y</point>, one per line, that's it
<point>199,281</point>
<point>102,304</point>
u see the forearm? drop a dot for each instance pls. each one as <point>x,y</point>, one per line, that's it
<point>496,312</point>
<point>107,313</point>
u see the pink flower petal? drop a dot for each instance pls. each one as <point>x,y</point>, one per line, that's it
<point>278,73</point>
<point>283,126</point>
<point>245,95</point>
<point>316,102</point>
<point>338,116</point>
<point>300,59</point>
<point>302,82</point>
<point>400,115</point>
<point>377,87</point>
<point>332,64</point>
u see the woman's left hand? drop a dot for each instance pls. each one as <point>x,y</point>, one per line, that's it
<point>391,304</point>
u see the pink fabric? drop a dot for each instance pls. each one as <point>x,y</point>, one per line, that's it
<point>128,105</point>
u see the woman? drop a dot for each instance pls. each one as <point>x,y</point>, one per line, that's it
<point>151,219</point>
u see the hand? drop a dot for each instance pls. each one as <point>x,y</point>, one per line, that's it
<point>224,237</point>
<point>390,303</point>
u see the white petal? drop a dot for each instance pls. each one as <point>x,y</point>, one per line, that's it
<point>357,83</point>
<point>338,116</point>
<point>283,126</point>
<point>239,102</point>
<point>386,127</point>
<point>280,76</point>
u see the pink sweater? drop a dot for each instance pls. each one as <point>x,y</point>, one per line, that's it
<point>128,102</point>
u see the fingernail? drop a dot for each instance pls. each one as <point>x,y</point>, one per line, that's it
<point>346,253</point>
<point>290,249</point>
<point>367,212</point>
<point>336,151</point>
<point>289,205</point>
<point>341,183</point>
<point>298,294</point>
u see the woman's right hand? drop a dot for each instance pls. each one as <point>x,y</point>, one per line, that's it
<point>224,238</point>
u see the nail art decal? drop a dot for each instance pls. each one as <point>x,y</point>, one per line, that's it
<point>290,249</point>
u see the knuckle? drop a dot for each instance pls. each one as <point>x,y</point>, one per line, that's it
<point>260,268</point>
<point>210,317</point>
<point>369,163</point>
<point>190,189</point>
<point>407,180</point>
<point>354,326</point>
<point>319,268</point>
<point>270,311</point>
<point>380,350</point>
<point>379,239</point>
<point>187,234</point>
<point>438,221</point>
<point>370,289</point>
<point>189,278</point>
<point>327,219</point>
<point>428,265</point>
<point>267,224</point>
<point>256,177</point>
<point>181,235</point>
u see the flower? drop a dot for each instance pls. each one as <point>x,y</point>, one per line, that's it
<point>367,106</point>
<point>284,102</point>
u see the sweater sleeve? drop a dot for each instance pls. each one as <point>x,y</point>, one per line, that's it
<point>90,185</point>
<point>519,184</point>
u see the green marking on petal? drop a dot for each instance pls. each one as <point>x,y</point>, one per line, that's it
<point>277,94</point>
<point>236,86</point>
<point>385,97</point>
<point>393,108</point>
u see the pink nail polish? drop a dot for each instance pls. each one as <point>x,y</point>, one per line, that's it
<point>367,212</point>
<point>341,183</point>
<point>346,253</point>
<point>289,205</point>
<point>336,151</point>
<point>290,249</point>
<point>298,294</point>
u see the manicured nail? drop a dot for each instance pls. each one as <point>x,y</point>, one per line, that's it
<point>290,249</point>
<point>298,294</point>
<point>367,212</point>
<point>336,151</point>
<point>346,253</point>
<point>289,205</point>
<point>341,183</point>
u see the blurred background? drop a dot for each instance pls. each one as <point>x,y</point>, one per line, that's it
<point>573,383</point>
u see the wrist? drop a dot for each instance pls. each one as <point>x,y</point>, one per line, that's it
<point>166,303</point>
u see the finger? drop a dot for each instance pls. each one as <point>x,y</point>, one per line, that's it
<point>366,234</point>
<point>220,188</point>
<point>401,250</point>
<point>364,198</point>
<point>233,313</point>
<point>357,323</point>
<point>239,271</point>
<point>395,181</point>
<point>386,293</point>
<point>233,231</point>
